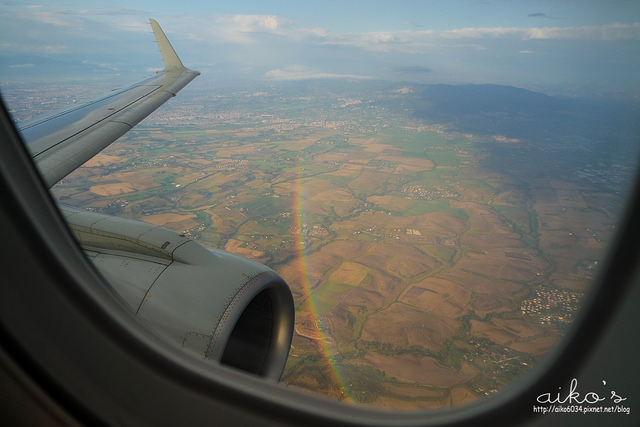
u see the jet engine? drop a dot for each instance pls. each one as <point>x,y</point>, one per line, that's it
<point>213,304</point>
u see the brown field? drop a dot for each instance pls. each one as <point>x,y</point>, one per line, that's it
<point>509,198</point>
<point>84,196</point>
<point>425,371</point>
<point>235,151</point>
<point>285,188</point>
<point>392,203</point>
<point>196,199</point>
<point>306,326</point>
<point>482,219</point>
<point>234,246</point>
<point>523,328</point>
<point>495,334</point>
<point>413,391</point>
<point>112,189</point>
<point>388,286</point>
<point>433,303</point>
<point>334,194</point>
<point>350,273</point>
<point>485,303</point>
<point>369,180</point>
<point>494,263</point>
<point>407,262</point>
<point>386,402</point>
<point>312,207</point>
<point>403,326</point>
<point>536,347</point>
<point>171,220</point>
<point>430,225</point>
<point>403,169</point>
<point>341,322</point>
<point>491,294</point>
<point>363,299</point>
<point>181,226</point>
<point>141,180</point>
<point>420,164</point>
<point>443,298</point>
<point>581,284</point>
<point>394,259</point>
<point>225,220</point>
<point>461,395</point>
<point>199,160</point>
<point>330,157</point>
<point>102,159</point>
<point>372,142</point>
<point>347,169</point>
<point>379,148</point>
<point>519,271</point>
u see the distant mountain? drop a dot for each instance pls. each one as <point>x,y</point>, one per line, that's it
<point>27,67</point>
<point>33,66</point>
<point>519,113</point>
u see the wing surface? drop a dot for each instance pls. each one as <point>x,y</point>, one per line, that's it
<point>63,141</point>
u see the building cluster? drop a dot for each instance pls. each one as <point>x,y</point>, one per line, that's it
<point>552,306</point>
<point>499,365</point>
<point>230,164</point>
<point>430,193</point>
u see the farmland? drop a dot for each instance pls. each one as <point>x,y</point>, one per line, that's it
<point>426,270</point>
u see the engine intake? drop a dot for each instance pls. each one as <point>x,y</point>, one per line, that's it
<point>213,304</point>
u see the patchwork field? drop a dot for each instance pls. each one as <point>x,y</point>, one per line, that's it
<point>422,277</point>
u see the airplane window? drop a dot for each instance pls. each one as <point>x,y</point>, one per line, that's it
<point>438,185</point>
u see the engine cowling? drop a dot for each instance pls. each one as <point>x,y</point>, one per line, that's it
<point>213,304</point>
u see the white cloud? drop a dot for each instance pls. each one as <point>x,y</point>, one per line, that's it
<point>614,31</point>
<point>301,72</point>
<point>250,45</point>
<point>253,23</point>
<point>242,28</point>
<point>101,65</point>
<point>418,41</point>
<point>53,17</point>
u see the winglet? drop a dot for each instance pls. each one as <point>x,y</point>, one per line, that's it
<point>169,56</point>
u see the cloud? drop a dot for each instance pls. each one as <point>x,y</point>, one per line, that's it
<point>412,69</point>
<point>301,72</point>
<point>260,46</point>
<point>415,24</point>
<point>23,47</point>
<point>253,23</point>
<point>244,28</point>
<point>542,15</point>
<point>110,11</point>
<point>427,41</point>
<point>51,17</point>
<point>101,65</point>
<point>616,31</point>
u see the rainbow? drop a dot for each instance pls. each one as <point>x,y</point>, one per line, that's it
<point>302,259</point>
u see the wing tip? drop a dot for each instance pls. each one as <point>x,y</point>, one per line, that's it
<point>169,55</point>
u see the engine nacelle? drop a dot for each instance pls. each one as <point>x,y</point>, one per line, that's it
<point>211,303</point>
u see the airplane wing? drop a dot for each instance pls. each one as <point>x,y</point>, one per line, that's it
<point>215,305</point>
<point>61,142</point>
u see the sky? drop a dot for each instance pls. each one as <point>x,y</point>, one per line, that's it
<point>566,47</point>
